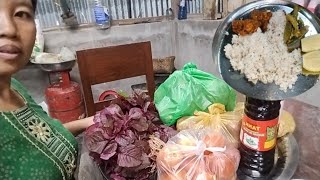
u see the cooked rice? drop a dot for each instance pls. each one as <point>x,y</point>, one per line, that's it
<point>264,56</point>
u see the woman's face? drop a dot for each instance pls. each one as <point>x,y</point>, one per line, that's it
<point>17,35</point>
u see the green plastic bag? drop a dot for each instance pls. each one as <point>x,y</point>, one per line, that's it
<point>189,90</point>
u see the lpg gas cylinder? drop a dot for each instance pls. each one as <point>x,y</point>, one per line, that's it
<point>65,101</point>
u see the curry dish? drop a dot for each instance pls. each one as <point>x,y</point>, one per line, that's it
<point>258,19</point>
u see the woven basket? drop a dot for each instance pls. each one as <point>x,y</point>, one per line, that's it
<point>164,65</point>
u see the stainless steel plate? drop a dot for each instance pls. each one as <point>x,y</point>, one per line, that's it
<point>237,80</point>
<point>289,154</point>
<point>57,67</point>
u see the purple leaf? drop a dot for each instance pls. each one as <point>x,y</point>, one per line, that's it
<point>143,145</point>
<point>96,157</point>
<point>108,133</point>
<point>129,156</point>
<point>135,113</point>
<point>125,138</point>
<point>138,121</point>
<point>122,140</point>
<point>145,162</point>
<point>113,110</point>
<point>118,126</point>
<point>143,174</point>
<point>92,129</point>
<point>98,118</point>
<point>131,134</point>
<point>140,125</point>
<point>97,146</point>
<point>108,121</point>
<point>117,177</point>
<point>109,151</point>
<point>95,140</point>
<point>152,116</point>
<point>166,132</point>
<point>98,129</point>
<point>122,103</point>
<point>118,141</point>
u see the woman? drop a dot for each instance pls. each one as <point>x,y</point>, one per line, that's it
<point>32,146</point>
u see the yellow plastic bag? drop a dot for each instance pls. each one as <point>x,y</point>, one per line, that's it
<point>229,123</point>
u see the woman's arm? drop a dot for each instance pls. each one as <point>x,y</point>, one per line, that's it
<point>78,126</point>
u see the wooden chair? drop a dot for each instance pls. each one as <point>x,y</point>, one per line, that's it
<point>107,64</point>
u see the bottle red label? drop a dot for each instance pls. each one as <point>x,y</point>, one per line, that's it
<point>259,135</point>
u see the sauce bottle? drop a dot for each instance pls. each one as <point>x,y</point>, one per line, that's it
<point>258,137</point>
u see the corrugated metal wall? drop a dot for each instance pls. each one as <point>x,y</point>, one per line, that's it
<point>195,6</point>
<point>49,11</point>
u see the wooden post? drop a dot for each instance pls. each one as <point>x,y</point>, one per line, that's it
<point>210,9</point>
<point>175,7</point>
<point>225,8</point>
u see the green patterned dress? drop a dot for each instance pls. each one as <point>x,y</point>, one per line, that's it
<point>34,146</point>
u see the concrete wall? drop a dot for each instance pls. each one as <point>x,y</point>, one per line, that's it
<point>194,44</point>
<point>189,41</point>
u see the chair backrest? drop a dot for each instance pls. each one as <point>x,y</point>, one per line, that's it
<point>107,64</point>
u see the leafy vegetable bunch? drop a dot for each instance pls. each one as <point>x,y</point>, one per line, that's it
<point>118,141</point>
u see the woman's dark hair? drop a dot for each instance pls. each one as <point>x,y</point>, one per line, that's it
<point>34,4</point>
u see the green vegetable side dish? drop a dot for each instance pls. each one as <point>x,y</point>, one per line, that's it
<point>295,29</point>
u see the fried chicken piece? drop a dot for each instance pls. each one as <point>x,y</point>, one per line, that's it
<point>262,16</point>
<point>237,26</point>
<point>251,26</point>
<point>264,26</point>
<point>248,26</point>
<point>244,27</point>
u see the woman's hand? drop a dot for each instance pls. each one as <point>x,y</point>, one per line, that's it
<point>78,126</point>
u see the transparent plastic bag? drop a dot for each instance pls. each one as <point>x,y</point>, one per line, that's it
<point>198,154</point>
<point>218,118</point>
